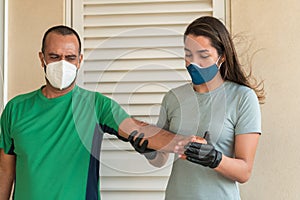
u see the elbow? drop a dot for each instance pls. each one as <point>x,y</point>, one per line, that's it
<point>157,164</point>
<point>243,180</point>
<point>160,160</point>
<point>235,169</point>
<point>245,177</point>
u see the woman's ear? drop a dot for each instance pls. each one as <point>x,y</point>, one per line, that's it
<point>223,58</point>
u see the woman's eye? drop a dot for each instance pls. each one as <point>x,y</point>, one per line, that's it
<point>203,56</point>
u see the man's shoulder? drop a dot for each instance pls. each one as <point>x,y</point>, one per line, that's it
<point>87,92</point>
<point>25,96</point>
<point>21,99</point>
<point>89,95</point>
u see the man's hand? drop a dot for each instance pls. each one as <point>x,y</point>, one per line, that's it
<point>203,154</point>
<point>150,154</point>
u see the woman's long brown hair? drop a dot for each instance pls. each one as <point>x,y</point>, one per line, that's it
<point>220,38</point>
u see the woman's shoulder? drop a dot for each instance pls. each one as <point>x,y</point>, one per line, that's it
<point>240,92</point>
<point>182,89</point>
<point>238,88</point>
<point>179,95</point>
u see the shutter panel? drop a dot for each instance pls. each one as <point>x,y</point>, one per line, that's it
<point>133,53</point>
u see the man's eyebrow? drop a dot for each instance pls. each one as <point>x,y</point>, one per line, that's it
<point>68,56</point>
<point>72,55</point>
<point>52,54</point>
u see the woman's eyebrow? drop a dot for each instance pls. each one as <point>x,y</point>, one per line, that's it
<point>198,51</point>
<point>202,51</point>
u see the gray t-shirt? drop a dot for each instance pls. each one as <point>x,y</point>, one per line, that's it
<point>225,112</point>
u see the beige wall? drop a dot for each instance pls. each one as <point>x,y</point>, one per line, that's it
<point>272,29</point>
<point>27,22</point>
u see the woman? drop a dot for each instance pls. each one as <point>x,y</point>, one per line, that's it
<point>220,105</point>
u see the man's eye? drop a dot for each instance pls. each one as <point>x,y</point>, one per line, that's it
<point>188,55</point>
<point>71,58</point>
<point>54,57</point>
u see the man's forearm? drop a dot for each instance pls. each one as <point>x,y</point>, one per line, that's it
<point>6,184</point>
<point>7,174</point>
<point>158,139</point>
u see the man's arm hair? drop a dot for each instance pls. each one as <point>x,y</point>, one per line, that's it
<point>158,139</point>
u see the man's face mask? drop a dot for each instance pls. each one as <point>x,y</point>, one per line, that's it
<point>60,74</point>
<point>202,75</point>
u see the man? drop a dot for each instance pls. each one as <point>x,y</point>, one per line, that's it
<point>50,138</point>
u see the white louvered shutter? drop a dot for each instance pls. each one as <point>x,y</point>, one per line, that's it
<point>133,53</point>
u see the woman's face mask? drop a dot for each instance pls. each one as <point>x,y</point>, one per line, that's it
<point>202,75</point>
<point>61,74</point>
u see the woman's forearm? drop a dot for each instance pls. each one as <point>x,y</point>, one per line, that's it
<point>240,168</point>
<point>234,169</point>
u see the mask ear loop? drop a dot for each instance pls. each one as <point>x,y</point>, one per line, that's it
<point>220,64</point>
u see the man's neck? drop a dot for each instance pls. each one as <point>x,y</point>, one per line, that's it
<point>51,92</point>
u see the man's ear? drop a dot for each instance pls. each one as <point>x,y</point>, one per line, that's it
<point>80,60</point>
<point>41,56</point>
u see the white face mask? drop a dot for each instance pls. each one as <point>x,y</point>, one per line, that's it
<point>61,74</point>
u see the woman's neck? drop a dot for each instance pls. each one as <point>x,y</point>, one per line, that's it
<point>216,82</point>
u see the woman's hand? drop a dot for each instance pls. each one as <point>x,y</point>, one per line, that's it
<point>180,148</point>
<point>203,154</point>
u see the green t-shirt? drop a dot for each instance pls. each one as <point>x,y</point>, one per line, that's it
<point>57,142</point>
<point>225,112</point>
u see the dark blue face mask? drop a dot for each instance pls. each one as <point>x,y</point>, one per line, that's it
<point>202,75</point>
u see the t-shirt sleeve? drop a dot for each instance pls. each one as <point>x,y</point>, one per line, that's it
<point>163,121</point>
<point>6,142</point>
<point>112,115</point>
<point>249,115</point>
